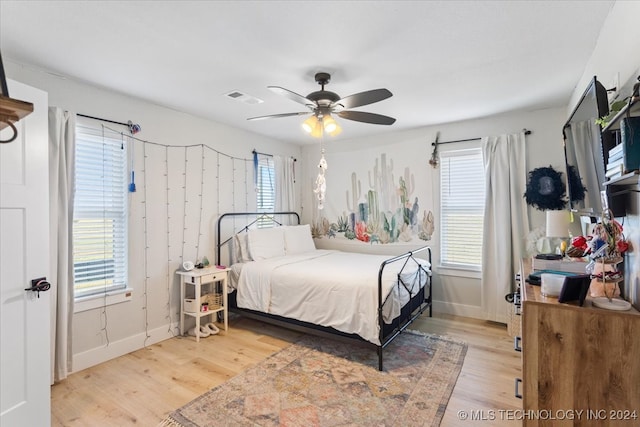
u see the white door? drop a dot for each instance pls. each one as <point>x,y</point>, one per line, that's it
<point>24,255</point>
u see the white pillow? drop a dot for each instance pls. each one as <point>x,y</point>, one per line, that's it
<point>297,239</point>
<point>265,243</point>
<point>242,247</point>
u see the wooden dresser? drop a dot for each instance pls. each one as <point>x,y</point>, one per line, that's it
<point>579,359</point>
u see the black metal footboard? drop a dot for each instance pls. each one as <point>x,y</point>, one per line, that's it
<point>417,304</point>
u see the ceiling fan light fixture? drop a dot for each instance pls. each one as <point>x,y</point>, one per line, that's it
<point>318,130</point>
<point>310,124</point>
<point>330,124</point>
<point>324,103</point>
<point>336,131</point>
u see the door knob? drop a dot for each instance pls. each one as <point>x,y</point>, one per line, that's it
<point>39,285</point>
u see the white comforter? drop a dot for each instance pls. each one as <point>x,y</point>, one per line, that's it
<point>329,288</point>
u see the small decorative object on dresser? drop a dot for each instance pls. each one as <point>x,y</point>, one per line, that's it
<point>607,246</point>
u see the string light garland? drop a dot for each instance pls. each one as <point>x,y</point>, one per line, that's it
<point>184,205</point>
<point>200,195</point>
<point>103,314</point>
<point>233,187</point>
<point>168,218</point>
<point>246,193</point>
<point>147,210</point>
<point>146,246</point>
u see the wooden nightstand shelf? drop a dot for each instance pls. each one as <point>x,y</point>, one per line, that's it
<point>204,282</point>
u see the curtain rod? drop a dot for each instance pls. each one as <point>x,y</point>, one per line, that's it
<point>526,132</point>
<point>133,128</point>
<point>104,120</point>
<point>269,155</point>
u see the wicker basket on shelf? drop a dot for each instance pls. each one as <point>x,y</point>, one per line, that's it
<point>213,300</point>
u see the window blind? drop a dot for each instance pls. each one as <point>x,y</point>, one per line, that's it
<point>99,212</point>
<point>462,194</point>
<point>266,191</point>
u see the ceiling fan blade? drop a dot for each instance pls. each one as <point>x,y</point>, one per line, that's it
<point>361,116</point>
<point>362,98</point>
<point>276,116</point>
<point>292,96</point>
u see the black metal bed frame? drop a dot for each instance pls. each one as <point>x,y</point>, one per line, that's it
<point>388,332</point>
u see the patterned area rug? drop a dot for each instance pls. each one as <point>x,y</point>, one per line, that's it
<point>323,382</point>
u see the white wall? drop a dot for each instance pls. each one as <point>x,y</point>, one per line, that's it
<point>616,55</point>
<point>127,324</point>
<point>412,149</point>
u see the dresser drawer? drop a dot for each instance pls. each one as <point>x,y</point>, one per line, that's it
<point>213,277</point>
<point>208,278</point>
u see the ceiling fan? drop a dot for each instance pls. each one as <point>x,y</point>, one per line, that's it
<point>323,103</point>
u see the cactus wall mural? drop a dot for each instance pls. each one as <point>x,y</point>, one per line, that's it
<point>387,212</point>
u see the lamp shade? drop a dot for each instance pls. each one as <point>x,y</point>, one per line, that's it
<point>558,223</point>
<point>310,124</point>
<point>336,131</point>
<point>330,124</point>
<point>317,131</point>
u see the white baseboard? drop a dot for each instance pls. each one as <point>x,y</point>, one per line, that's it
<point>472,311</point>
<point>115,349</point>
<point>119,348</point>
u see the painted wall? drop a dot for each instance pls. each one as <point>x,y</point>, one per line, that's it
<point>106,332</point>
<point>615,61</point>
<point>615,58</point>
<point>406,154</point>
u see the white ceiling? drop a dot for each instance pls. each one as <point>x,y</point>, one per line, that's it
<point>443,60</point>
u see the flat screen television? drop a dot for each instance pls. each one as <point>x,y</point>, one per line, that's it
<point>585,152</point>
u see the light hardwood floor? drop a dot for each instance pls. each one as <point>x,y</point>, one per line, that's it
<point>143,387</point>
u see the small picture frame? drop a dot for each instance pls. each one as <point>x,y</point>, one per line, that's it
<point>575,288</point>
<point>4,91</point>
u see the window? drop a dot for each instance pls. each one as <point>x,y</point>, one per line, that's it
<point>266,187</point>
<point>462,195</point>
<point>99,213</point>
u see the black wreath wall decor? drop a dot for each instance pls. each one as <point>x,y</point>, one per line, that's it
<point>546,189</point>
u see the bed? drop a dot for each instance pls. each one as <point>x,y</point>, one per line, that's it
<point>278,276</point>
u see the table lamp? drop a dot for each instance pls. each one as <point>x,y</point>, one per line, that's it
<point>557,230</point>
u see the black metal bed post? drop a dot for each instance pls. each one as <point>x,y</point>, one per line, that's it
<point>430,281</point>
<point>380,319</point>
<point>430,286</point>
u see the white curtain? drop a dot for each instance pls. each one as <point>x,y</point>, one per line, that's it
<point>61,190</point>
<point>506,222</point>
<point>285,183</point>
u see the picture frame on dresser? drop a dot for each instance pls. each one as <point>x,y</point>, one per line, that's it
<point>575,288</point>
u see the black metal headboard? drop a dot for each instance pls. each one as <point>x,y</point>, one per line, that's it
<point>258,217</point>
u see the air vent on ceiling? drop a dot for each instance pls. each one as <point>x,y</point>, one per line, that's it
<point>243,97</point>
